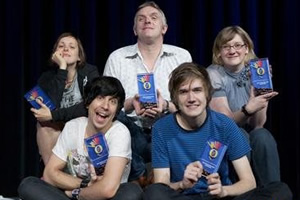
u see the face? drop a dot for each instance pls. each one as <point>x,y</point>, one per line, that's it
<point>102,111</point>
<point>149,23</point>
<point>192,99</point>
<point>68,49</point>
<point>233,52</point>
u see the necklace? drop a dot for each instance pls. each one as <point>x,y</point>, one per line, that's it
<point>243,77</point>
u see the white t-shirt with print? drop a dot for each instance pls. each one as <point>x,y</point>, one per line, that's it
<point>71,142</point>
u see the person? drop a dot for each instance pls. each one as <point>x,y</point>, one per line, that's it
<point>148,55</point>
<point>104,99</point>
<point>234,96</point>
<point>180,141</point>
<point>64,84</point>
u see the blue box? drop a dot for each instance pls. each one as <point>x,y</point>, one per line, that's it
<point>212,156</point>
<point>261,76</point>
<point>37,93</point>
<point>97,149</point>
<point>146,89</point>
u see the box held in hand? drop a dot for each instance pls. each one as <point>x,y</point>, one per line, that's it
<point>261,76</point>
<point>147,91</point>
<point>36,93</point>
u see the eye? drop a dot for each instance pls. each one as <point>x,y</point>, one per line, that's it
<point>237,46</point>
<point>226,47</point>
<point>114,101</point>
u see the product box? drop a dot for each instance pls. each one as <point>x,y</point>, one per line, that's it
<point>147,91</point>
<point>212,156</point>
<point>260,76</point>
<point>37,93</point>
<point>97,149</point>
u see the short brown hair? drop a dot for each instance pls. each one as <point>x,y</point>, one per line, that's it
<point>189,71</point>
<point>81,52</point>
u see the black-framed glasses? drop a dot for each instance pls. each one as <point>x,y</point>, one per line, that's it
<point>236,46</point>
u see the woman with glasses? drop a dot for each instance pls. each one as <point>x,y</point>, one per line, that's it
<point>234,96</point>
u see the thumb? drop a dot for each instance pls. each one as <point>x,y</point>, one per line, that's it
<point>40,103</point>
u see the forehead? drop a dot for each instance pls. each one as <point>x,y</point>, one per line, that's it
<point>148,10</point>
<point>68,40</point>
<point>191,83</point>
<point>236,38</point>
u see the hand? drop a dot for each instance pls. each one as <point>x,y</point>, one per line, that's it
<point>59,60</point>
<point>68,193</point>
<point>155,112</point>
<point>215,185</point>
<point>43,114</point>
<point>192,173</point>
<point>257,103</point>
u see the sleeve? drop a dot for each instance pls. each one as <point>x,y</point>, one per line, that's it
<point>238,144</point>
<point>111,66</point>
<point>160,157</point>
<point>216,81</point>
<point>66,114</point>
<point>53,82</point>
<point>61,147</point>
<point>119,141</point>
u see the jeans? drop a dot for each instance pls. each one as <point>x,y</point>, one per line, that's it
<point>140,145</point>
<point>271,191</point>
<point>264,156</point>
<point>33,188</point>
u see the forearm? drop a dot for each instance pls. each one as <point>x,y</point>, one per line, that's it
<point>128,105</point>
<point>61,179</point>
<point>238,188</point>
<point>258,119</point>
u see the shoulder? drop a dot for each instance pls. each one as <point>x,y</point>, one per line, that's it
<point>130,49</point>
<point>215,69</point>
<point>88,67</point>
<point>175,49</point>
<point>165,121</point>
<point>118,128</point>
<point>76,122</point>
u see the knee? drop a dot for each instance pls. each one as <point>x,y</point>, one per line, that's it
<point>26,185</point>
<point>129,191</point>
<point>155,191</point>
<point>262,137</point>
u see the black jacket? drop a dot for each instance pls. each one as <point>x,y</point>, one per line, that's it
<point>53,83</point>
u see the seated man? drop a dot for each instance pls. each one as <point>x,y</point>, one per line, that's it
<point>180,139</point>
<point>69,174</point>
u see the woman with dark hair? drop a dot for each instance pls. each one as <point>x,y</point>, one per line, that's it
<point>64,84</point>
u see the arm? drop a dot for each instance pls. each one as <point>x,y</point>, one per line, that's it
<point>246,179</point>
<point>192,173</point>
<point>107,186</point>
<point>54,175</point>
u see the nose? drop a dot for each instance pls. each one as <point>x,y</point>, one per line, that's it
<point>105,103</point>
<point>191,97</point>
<point>147,20</point>
<point>66,48</point>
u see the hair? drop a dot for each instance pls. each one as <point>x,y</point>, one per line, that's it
<point>153,5</point>
<point>227,34</point>
<point>104,86</point>
<point>81,52</point>
<point>189,71</point>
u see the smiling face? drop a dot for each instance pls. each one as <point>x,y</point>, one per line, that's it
<point>68,49</point>
<point>149,23</point>
<point>102,112</point>
<point>233,53</point>
<point>192,99</point>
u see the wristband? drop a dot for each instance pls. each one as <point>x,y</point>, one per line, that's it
<point>75,194</point>
<point>246,113</point>
<point>84,183</point>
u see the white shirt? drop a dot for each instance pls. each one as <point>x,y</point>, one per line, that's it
<point>71,143</point>
<point>125,63</point>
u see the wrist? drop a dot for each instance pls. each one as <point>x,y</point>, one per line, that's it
<point>75,194</point>
<point>245,111</point>
<point>84,182</point>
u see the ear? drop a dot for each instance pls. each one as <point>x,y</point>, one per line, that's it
<point>164,29</point>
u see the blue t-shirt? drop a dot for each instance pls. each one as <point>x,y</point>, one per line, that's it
<point>175,148</point>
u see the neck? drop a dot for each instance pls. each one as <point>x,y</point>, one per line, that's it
<point>190,123</point>
<point>150,53</point>
<point>235,68</point>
